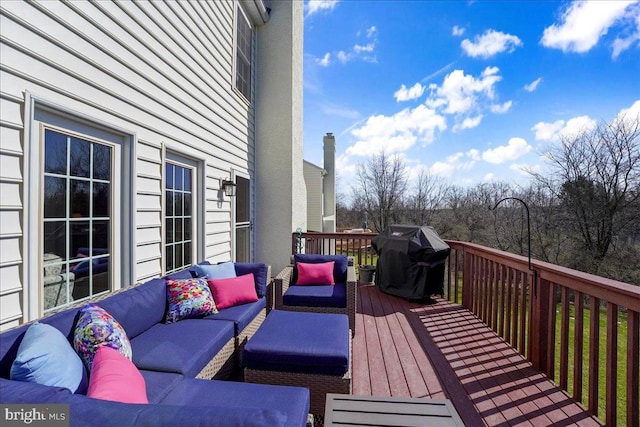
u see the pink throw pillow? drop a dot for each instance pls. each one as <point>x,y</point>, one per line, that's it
<point>116,378</point>
<point>233,291</point>
<point>315,273</point>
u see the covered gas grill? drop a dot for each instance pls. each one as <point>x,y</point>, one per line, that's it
<point>411,261</point>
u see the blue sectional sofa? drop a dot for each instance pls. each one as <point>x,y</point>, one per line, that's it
<point>177,361</point>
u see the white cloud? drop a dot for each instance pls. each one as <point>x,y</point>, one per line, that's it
<point>338,110</point>
<point>461,92</point>
<point>396,133</point>
<point>455,162</point>
<point>407,94</point>
<point>515,148</point>
<point>325,60</point>
<point>489,177</point>
<point>361,51</point>
<point>457,31</point>
<point>582,25</point>
<point>631,113</point>
<point>576,126</point>
<point>490,44</point>
<point>547,131</point>
<point>501,108</point>
<point>561,129</point>
<point>533,85</point>
<point>468,123</point>
<point>319,5</point>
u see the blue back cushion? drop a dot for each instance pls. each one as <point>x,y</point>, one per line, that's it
<point>139,308</point>
<point>260,272</point>
<point>339,268</point>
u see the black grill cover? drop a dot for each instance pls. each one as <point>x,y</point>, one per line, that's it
<point>411,261</point>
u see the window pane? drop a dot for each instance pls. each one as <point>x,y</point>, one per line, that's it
<point>79,195</point>
<point>169,230</point>
<point>187,204</point>
<point>178,177</point>
<point>169,256</point>
<point>179,257</point>
<point>168,169</point>
<point>79,239</point>
<point>101,162</point>
<point>80,161</point>
<point>187,180</point>
<point>178,234</point>
<point>178,204</point>
<point>55,152</point>
<point>101,276</point>
<point>101,198</point>
<point>187,254</point>
<point>54,197</point>
<point>169,202</point>
<point>55,239</point>
<point>187,229</point>
<point>101,232</point>
<point>242,200</point>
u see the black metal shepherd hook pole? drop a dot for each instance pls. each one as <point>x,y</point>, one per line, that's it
<point>526,207</point>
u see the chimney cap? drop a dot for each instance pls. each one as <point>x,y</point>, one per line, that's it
<point>329,133</point>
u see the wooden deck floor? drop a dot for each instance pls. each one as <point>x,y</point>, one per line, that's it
<point>444,351</point>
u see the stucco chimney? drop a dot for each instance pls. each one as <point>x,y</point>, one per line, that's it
<point>329,220</point>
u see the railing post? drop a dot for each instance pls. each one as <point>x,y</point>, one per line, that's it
<point>467,293</point>
<point>540,327</point>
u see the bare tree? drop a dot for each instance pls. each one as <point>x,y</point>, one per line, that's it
<point>596,177</point>
<point>379,189</point>
<point>428,196</point>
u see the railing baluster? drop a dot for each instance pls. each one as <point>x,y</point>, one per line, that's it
<point>509,308</point>
<point>551,349</point>
<point>523,312</point>
<point>516,308</point>
<point>564,337</point>
<point>578,352</point>
<point>594,353</point>
<point>633,362</point>
<point>612,364</point>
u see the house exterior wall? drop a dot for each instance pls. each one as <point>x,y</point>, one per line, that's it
<point>159,74</point>
<point>281,194</point>
<point>313,179</point>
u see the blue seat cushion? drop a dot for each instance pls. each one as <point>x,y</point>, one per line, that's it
<point>184,347</point>
<point>293,341</point>
<point>293,402</point>
<point>241,315</point>
<point>24,392</point>
<point>341,263</point>
<point>159,384</point>
<point>316,295</point>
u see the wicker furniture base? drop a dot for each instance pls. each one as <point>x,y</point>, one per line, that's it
<point>247,333</point>
<point>222,365</point>
<point>318,385</point>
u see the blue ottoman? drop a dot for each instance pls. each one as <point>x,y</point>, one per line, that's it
<point>301,349</point>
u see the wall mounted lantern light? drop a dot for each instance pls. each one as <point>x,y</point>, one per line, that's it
<point>229,187</point>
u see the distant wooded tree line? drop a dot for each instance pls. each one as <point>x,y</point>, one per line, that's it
<point>585,209</point>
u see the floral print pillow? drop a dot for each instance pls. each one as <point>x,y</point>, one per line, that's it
<point>95,328</point>
<point>189,298</point>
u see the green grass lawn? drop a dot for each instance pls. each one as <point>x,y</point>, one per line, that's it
<point>602,351</point>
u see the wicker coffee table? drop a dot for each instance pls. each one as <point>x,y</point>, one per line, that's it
<point>311,350</point>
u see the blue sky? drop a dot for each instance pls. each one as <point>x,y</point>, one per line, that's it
<point>471,91</point>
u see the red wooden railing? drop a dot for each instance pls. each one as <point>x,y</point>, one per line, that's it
<point>548,314</point>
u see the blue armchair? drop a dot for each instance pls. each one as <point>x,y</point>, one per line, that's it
<point>339,298</point>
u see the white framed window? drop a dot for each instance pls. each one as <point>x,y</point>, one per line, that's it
<point>77,200</point>
<point>243,49</point>
<point>182,195</point>
<point>79,206</point>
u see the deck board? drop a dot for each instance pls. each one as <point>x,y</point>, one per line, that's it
<point>404,349</point>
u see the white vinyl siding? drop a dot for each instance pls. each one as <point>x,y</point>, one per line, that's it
<point>159,70</point>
